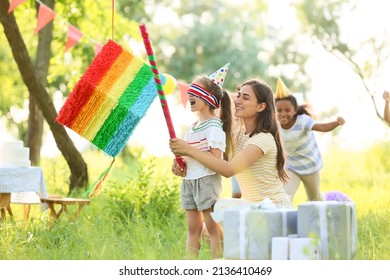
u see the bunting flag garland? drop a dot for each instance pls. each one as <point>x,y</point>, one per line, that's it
<point>183,93</point>
<point>110,99</point>
<point>45,15</point>
<point>14,4</point>
<point>98,48</point>
<point>74,35</point>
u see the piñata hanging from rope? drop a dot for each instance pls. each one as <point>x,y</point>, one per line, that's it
<point>109,100</point>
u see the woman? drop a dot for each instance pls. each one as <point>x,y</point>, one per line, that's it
<point>258,158</point>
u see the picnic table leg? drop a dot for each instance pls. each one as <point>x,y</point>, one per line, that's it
<point>63,209</point>
<point>3,212</point>
<point>5,200</point>
<point>26,211</point>
<point>78,211</point>
<point>53,212</point>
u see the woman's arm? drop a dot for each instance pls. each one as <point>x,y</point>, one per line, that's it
<point>227,169</point>
<point>326,127</point>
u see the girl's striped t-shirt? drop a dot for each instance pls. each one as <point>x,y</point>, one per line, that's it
<point>303,153</point>
<point>204,136</point>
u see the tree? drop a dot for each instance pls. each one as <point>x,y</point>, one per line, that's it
<point>79,173</point>
<point>42,62</point>
<point>209,34</point>
<point>320,20</point>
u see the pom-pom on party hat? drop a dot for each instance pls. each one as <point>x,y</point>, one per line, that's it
<point>281,89</point>
<point>218,77</point>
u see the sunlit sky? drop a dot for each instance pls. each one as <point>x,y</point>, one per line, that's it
<point>334,84</point>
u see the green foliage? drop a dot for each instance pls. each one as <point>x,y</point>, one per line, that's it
<point>374,243</point>
<point>136,218</point>
<point>366,55</point>
<point>137,215</point>
<point>147,195</point>
<point>212,33</point>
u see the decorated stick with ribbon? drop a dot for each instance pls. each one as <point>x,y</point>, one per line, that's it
<point>160,90</point>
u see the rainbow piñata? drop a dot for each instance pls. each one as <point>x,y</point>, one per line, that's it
<point>110,99</point>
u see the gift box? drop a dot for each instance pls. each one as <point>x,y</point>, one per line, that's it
<point>248,230</point>
<point>294,248</point>
<point>304,249</point>
<point>280,248</point>
<point>333,223</point>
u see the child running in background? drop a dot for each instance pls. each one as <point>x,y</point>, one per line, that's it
<point>303,155</point>
<point>386,114</point>
<point>201,186</point>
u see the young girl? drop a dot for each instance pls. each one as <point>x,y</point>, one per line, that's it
<point>201,186</point>
<point>258,159</point>
<point>303,155</point>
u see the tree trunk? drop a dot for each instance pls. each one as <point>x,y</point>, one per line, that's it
<point>34,131</point>
<point>78,167</point>
<point>42,62</point>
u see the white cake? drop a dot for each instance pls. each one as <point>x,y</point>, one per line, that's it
<point>14,154</point>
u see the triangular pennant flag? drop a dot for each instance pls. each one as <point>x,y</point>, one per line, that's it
<point>98,48</point>
<point>281,89</point>
<point>14,4</point>
<point>45,15</point>
<point>110,99</point>
<point>183,92</point>
<point>74,35</point>
<point>218,77</point>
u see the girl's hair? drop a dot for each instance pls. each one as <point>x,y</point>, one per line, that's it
<point>301,110</point>
<point>266,121</point>
<point>225,111</point>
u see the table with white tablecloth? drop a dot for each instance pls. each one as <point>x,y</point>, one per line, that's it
<point>25,185</point>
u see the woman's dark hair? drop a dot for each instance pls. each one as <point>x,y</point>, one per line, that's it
<point>225,111</point>
<point>266,121</point>
<point>301,110</point>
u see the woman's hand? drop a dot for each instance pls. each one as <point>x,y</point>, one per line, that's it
<point>179,147</point>
<point>177,170</point>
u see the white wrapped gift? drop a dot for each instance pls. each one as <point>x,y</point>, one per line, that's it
<point>248,230</point>
<point>333,223</point>
<point>280,248</point>
<point>294,248</point>
<point>304,248</point>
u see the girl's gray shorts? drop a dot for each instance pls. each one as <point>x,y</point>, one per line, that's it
<point>202,193</point>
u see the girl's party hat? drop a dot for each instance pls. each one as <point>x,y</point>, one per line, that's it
<point>218,77</point>
<point>281,89</point>
<point>110,99</point>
